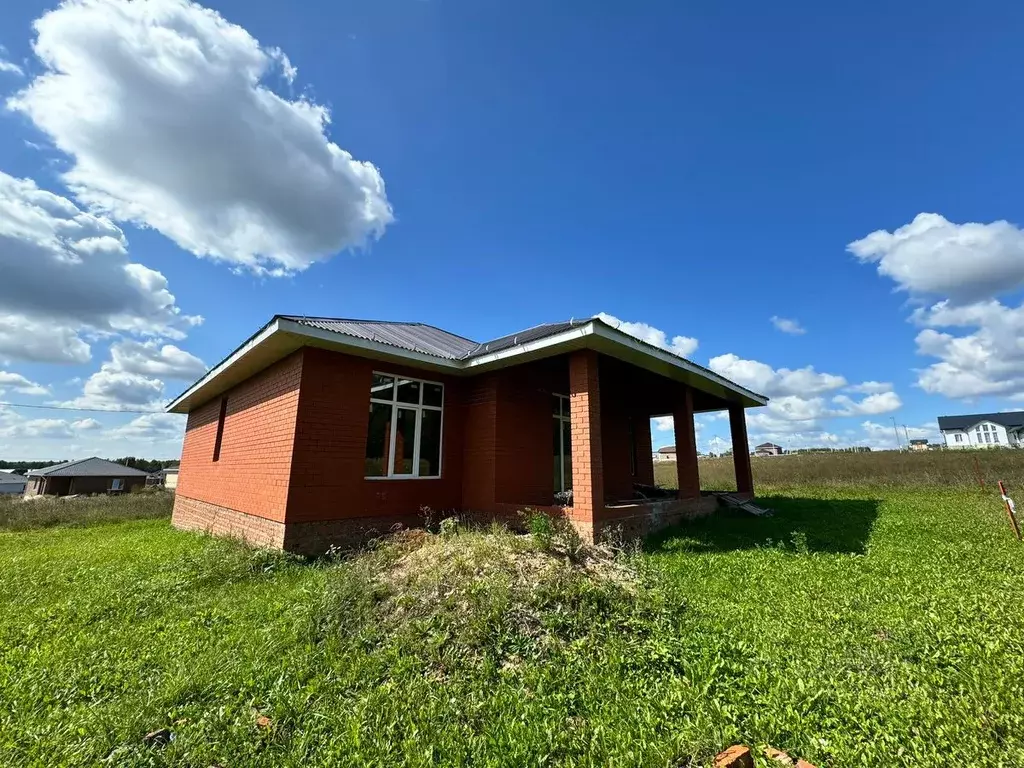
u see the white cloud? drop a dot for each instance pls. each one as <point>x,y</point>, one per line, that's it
<point>962,262</point>
<point>164,108</point>
<point>870,387</point>
<point>151,359</point>
<point>684,346</point>
<point>21,385</point>
<point>19,428</point>
<point>797,408</point>
<point>880,402</point>
<point>762,378</point>
<point>787,325</point>
<point>111,389</point>
<point>986,362</point>
<point>664,423</point>
<point>66,271</point>
<point>151,427</point>
<point>10,67</point>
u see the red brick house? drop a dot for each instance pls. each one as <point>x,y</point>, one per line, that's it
<point>322,431</point>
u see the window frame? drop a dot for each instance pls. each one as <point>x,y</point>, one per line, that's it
<point>418,408</point>
<point>564,416</point>
<point>116,484</point>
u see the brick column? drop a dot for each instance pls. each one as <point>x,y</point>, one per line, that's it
<point>740,450</point>
<point>585,426</point>
<point>686,445</point>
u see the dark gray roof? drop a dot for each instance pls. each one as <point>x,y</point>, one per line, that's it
<point>667,449</point>
<point>9,478</point>
<point>416,337</point>
<point>1010,419</point>
<point>92,467</point>
<point>524,337</point>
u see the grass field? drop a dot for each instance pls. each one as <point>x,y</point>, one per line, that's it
<point>859,626</point>
<point>948,469</point>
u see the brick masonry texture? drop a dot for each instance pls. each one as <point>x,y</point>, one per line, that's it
<point>291,471</point>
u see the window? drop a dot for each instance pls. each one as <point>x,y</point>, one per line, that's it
<point>958,437</point>
<point>988,438</point>
<point>404,434</point>
<point>562,443</point>
<point>995,436</point>
<point>220,428</point>
<point>116,484</point>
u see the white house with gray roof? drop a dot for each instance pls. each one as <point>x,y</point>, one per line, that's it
<point>983,430</point>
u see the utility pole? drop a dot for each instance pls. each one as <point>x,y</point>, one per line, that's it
<point>899,445</point>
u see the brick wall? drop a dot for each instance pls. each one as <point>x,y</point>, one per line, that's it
<point>328,478</point>
<point>255,462</point>
<point>480,430</point>
<point>525,430</point>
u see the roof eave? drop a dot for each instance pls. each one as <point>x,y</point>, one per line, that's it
<point>282,336</point>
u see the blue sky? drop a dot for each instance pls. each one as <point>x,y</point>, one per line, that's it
<point>173,175</point>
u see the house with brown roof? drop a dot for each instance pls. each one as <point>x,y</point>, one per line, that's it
<point>83,476</point>
<point>319,431</point>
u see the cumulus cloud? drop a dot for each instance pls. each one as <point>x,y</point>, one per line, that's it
<point>10,67</point>
<point>12,426</point>
<point>18,383</point>
<point>166,112</point>
<point>152,359</point>
<point>883,436</point>
<point>684,346</point>
<point>870,387</point>
<point>761,377</point>
<point>787,325</point>
<point>962,262</point>
<point>65,271</point>
<point>151,427</point>
<point>880,402</point>
<point>664,423</point>
<point>116,390</point>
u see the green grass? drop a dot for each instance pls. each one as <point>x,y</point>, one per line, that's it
<point>19,514</point>
<point>891,469</point>
<point>859,626</point>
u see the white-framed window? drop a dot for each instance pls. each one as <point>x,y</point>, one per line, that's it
<point>995,436</point>
<point>117,484</point>
<point>562,443</point>
<point>988,438</point>
<point>406,421</point>
<point>958,437</point>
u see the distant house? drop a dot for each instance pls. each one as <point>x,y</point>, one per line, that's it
<point>11,483</point>
<point>983,430</point>
<point>169,478</point>
<point>768,449</point>
<point>93,475</point>
<point>665,453</point>
<point>919,445</point>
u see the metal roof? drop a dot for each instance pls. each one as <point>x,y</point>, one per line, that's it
<point>1010,419</point>
<point>416,337</point>
<point>431,346</point>
<point>9,478</point>
<point>92,467</point>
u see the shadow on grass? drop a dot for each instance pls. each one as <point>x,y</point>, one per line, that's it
<point>799,525</point>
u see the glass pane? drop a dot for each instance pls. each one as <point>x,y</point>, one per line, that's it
<point>378,440</point>
<point>433,394</point>
<point>408,391</point>
<point>405,441</point>
<point>382,387</point>
<point>556,405</point>
<point>557,433</point>
<point>567,460</point>
<point>430,444</point>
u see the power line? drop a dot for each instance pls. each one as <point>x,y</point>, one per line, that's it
<point>73,408</point>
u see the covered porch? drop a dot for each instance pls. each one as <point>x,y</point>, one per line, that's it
<point>611,402</point>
